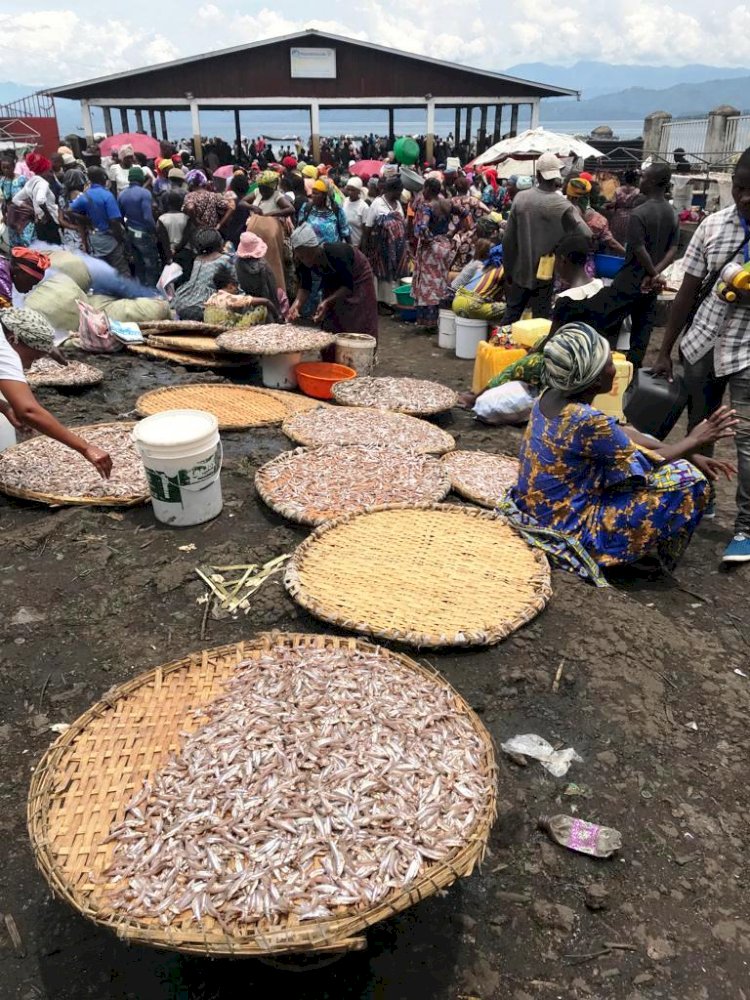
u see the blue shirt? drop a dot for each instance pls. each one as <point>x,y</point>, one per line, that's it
<point>136,204</point>
<point>99,205</point>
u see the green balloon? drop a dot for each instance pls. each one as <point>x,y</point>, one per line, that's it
<point>406,150</point>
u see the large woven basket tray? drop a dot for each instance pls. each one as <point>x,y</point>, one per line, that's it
<point>74,375</point>
<point>63,499</point>
<point>414,396</point>
<point>433,575</point>
<point>275,338</point>
<point>184,358</point>
<point>345,425</point>
<point>236,407</point>
<point>86,778</point>
<point>192,343</point>
<point>480,476</point>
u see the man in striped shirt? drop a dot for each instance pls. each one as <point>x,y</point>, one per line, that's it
<point>715,347</point>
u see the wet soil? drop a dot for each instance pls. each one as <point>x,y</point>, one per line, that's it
<point>653,693</point>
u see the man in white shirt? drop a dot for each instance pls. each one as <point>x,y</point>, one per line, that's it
<point>355,209</point>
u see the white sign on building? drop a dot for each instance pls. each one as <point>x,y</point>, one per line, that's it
<point>313,64</point>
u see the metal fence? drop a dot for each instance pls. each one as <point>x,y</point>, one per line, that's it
<point>691,135</point>
<point>37,105</point>
<point>738,134</point>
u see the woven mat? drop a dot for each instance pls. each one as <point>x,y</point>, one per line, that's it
<point>87,777</point>
<point>48,472</point>
<point>415,396</point>
<point>295,402</point>
<point>363,425</point>
<point>312,486</point>
<point>275,338</point>
<point>480,476</point>
<point>236,407</point>
<point>181,358</point>
<point>46,372</point>
<point>439,576</point>
<point>180,327</point>
<point>189,343</point>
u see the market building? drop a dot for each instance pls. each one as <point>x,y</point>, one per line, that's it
<point>310,70</point>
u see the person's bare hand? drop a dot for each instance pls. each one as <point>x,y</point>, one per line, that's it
<point>713,468</point>
<point>101,461</point>
<point>9,413</point>
<point>663,367</point>
<point>721,424</point>
<point>293,314</point>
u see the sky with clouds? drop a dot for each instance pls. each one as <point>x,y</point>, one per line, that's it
<point>61,44</point>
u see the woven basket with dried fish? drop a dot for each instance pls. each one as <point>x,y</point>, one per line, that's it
<point>275,338</point>
<point>418,397</point>
<point>45,470</point>
<point>314,485</point>
<point>480,476</point>
<point>47,372</point>
<point>175,327</point>
<point>185,359</point>
<point>271,797</point>
<point>349,425</point>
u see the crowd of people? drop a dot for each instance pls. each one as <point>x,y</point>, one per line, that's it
<point>255,234</point>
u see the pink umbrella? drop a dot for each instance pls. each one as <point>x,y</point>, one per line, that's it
<point>367,168</point>
<point>140,143</point>
<point>225,172</point>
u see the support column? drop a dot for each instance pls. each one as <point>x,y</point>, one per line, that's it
<point>482,137</point>
<point>196,119</point>
<point>88,128</point>
<point>152,124</point>
<point>391,123</point>
<point>108,121</point>
<point>163,117</point>
<point>315,130</point>
<point>469,115</point>
<point>429,141</point>
<point>237,131</point>
<point>535,113</point>
<point>457,131</point>
<point>497,129</point>
<point>652,129</point>
<point>139,120</point>
<point>716,134</point>
<point>514,119</point>
<point>124,126</point>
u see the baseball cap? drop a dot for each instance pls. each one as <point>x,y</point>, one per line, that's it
<point>354,182</point>
<point>548,166</point>
<point>176,174</point>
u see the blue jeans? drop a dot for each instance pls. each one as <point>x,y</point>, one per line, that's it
<point>145,253</point>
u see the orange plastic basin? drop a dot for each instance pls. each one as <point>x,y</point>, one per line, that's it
<point>317,378</point>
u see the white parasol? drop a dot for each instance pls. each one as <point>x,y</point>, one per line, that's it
<point>530,145</point>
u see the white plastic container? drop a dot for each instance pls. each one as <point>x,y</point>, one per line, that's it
<point>7,433</point>
<point>357,351</point>
<point>277,370</point>
<point>469,335</point>
<point>447,329</point>
<point>181,452</point>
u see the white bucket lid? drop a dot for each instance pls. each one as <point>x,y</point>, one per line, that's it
<point>175,428</point>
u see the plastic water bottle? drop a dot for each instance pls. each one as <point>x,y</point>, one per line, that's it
<point>579,835</point>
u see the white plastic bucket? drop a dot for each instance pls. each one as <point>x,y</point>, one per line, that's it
<point>357,351</point>
<point>469,335</point>
<point>277,370</point>
<point>181,452</point>
<point>447,329</point>
<point>7,433</point>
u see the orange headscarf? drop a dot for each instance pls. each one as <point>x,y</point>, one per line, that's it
<point>30,261</point>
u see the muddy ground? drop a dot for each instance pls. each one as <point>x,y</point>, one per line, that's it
<point>654,695</point>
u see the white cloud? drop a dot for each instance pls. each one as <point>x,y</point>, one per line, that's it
<point>208,12</point>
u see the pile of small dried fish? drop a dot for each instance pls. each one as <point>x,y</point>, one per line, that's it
<point>481,476</point>
<point>274,338</point>
<point>320,782</point>
<point>42,465</point>
<point>314,485</point>
<point>349,425</point>
<point>45,371</point>
<point>405,395</point>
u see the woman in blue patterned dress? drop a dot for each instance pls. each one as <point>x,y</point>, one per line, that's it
<point>598,492</point>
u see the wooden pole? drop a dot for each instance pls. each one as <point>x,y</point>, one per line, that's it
<point>469,115</point>
<point>124,120</point>
<point>482,138</point>
<point>237,130</point>
<point>391,124</point>
<point>152,124</point>
<point>108,121</point>
<point>429,143</point>
<point>514,120</point>
<point>139,120</point>
<point>163,117</point>
<point>315,130</point>
<point>498,126</point>
<point>196,119</point>
<point>457,133</point>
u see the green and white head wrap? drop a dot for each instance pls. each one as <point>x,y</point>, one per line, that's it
<point>574,358</point>
<point>29,327</point>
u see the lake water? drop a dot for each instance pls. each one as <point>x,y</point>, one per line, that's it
<point>283,124</point>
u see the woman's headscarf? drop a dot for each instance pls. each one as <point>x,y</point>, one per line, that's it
<point>207,241</point>
<point>29,327</point>
<point>304,236</point>
<point>37,163</point>
<point>495,256</point>
<point>578,187</point>
<point>524,183</point>
<point>574,358</point>
<point>196,178</point>
<point>164,166</point>
<point>269,179</point>
<point>310,171</point>
<point>31,262</point>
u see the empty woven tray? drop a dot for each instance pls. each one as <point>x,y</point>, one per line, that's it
<point>81,790</point>
<point>236,407</point>
<point>361,425</point>
<point>183,358</point>
<point>275,338</point>
<point>46,372</point>
<point>193,344</point>
<point>181,327</point>
<point>46,471</point>
<point>415,396</point>
<point>480,476</point>
<point>314,485</point>
<point>437,576</point>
